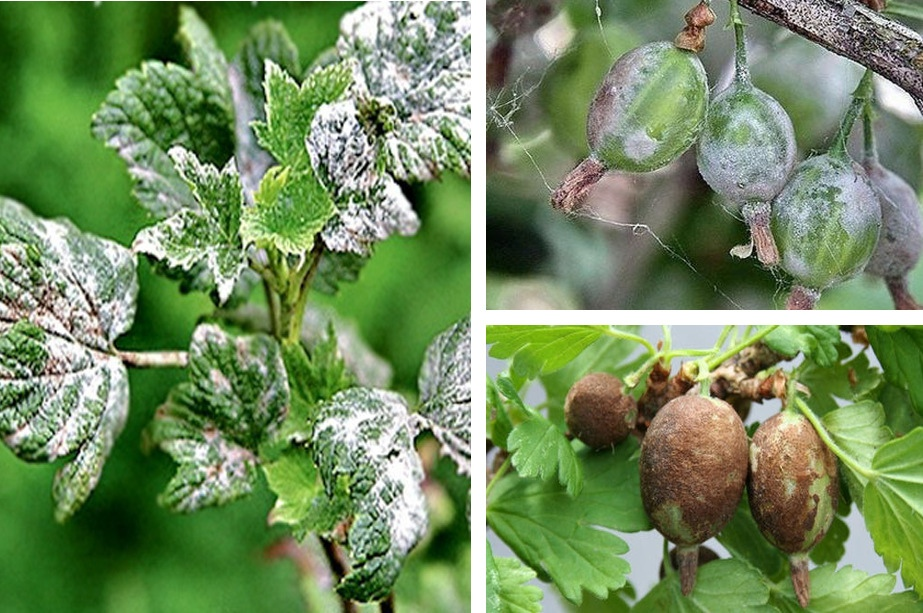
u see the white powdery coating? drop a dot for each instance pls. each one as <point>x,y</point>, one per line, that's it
<point>757,168</point>
<point>901,239</point>
<point>640,146</point>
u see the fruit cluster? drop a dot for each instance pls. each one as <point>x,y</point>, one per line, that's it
<point>821,222</point>
<point>696,461</point>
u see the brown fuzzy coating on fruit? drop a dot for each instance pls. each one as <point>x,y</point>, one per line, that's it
<point>597,411</point>
<point>793,487</point>
<point>693,468</point>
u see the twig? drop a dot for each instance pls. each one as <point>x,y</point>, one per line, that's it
<point>855,31</point>
<point>154,359</point>
<point>339,568</point>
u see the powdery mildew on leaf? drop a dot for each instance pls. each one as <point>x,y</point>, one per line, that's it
<point>370,204</point>
<point>236,397</point>
<point>208,235</point>
<point>445,392</point>
<point>65,297</point>
<point>161,105</point>
<point>363,438</point>
<point>413,61</point>
<point>369,368</point>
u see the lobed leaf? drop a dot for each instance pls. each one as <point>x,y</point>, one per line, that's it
<point>294,479</point>
<point>541,450</point>
<point>818,343</point>
<point>507,591</point>
<point>445,392</point>
<point>845,589</point>
<point>859,430</point>
<point>337,268</point>
<point>65,296</point>
<point>207,61</point>
<point>363,448</point>
<point>539,350</point>
<point>321,326</point>
<point>721,585</point>
<point>567,539</point>
<point>213,424</point>
<point>412,66</point>
<point>900,352</point>
<point>205,239</point>
<point>850,380</point>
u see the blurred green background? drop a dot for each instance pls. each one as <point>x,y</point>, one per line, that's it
<point>122,552</point>
<point>537,104</point>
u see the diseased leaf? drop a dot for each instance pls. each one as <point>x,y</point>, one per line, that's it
<point>150,111</point>
<point>212,425</point>
<point>569,540</point>
<point>721,585</point>
<point>267,40</point>
<point>445,392</point>
<point>337,268</point>
<point>507,591</point>
<point>363,448</point>
<point>893,506</point>
<point>845,589</point>
<point>370,205</point>
<point>65,296</point>
<point>412,66</point>
<point>321,324</point>
<point>205,236</point>
<point>539,350</point>
<point>207,61</point>
<point>900,352</point>
<point>818,343</point>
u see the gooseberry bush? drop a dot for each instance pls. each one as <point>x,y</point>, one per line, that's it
<point>704,459</point>
<point>267,178</point>
<point>812,225</point>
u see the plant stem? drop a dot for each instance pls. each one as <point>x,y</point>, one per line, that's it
<point>303,283</point>
<point>741,67</point>
<point>387,605</point>
<point>831,444</point>
<point>631,337</point>
<point>859,99</point>
<point>868,131</point>
<point>497,476</point>
<point>154,359</point>
<point>338,568</point>
<point>737,348</point>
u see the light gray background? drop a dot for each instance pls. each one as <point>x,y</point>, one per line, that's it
<point>645,548</point>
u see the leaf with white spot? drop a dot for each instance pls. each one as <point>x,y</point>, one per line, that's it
<point>413,76</point>
<point>212,425</point>
<point>208,235</point>
<point>445,392</point>
<point>363,449</point>
<point>65,296</point>
<point>161,105</point>
<point>370,205</point>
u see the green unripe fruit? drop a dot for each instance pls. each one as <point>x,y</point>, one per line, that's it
<point>693,470</point>
<point>826,221</point>
<point>597,412</point>
<point>792,489</point>
<point>901,239</point>
<point>649,109</point>
<point>747,149</point>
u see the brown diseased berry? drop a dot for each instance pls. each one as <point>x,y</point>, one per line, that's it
<point>693,471</point>
<point>793,490</point>
<point>597,411</point>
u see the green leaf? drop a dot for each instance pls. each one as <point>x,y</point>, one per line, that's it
<point>893,506</point>
<point>445,392</point>
<point>568,539</point>
<point>413,78</point>
<point>65,296</point>
<point>207,235</point>
<point>290,108</point>
<point>539,350</point>
<point>818,343</point>
<point>267,40</point>
<point>336,269</point>
<point>721,585</point>
<point>207,60</point>
<point>348,352</point>
<point>848,380</point>
<point>900,352</point>
<point>150,111</point>
<point>846,589</point>
<point>498,422</point>
<point>294,480</point>
<point>541,450</point>
<point>212,425</point>
<point>904,9</point>
<point>363,448</point>
<point>507,591</point>
<point>743,540</point>
<point>900,416</point>
<point>370,205</point>
<point>291,207</point>
<point>859,430</point>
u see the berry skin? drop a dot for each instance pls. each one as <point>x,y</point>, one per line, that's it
<point>649,109</point>
<point>901,239</point>
<point>693,470</point>
<point>792,489</point>
<point>598,413</point>
<point>826,221</point>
